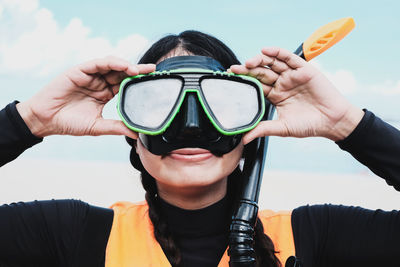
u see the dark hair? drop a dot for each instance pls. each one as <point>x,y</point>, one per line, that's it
<point>195,42</point>
<point>201,44</point>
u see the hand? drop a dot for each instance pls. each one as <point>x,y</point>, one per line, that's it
<point>307,103</point>
<point>72,103</point>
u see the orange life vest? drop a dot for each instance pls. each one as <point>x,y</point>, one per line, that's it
<point>132,243</point>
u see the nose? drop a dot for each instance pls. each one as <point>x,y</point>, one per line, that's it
<point>192,118</point>
<point>191,124</point>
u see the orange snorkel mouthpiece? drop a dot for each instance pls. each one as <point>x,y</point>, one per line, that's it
<point>325,37</point>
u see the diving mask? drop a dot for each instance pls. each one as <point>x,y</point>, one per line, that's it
<point>190,101</point>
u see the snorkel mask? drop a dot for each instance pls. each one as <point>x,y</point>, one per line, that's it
<point>190,101</point>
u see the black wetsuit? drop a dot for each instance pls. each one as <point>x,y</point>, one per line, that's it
<point>74,233</point>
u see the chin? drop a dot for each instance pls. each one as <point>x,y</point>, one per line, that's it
<point>194,176</point>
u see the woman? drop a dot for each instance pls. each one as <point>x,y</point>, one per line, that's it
<point>190,191</point>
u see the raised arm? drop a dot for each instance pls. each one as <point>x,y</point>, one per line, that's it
<point>309,105</point>
<point>71,104</point>
<point>15,136</point>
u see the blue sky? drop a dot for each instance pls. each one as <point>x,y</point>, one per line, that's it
<point>247,26</point>
<point>39,39</point>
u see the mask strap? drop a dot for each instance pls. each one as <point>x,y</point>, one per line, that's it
<point>195,62</point>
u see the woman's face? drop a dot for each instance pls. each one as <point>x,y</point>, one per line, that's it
<point>189,167</point>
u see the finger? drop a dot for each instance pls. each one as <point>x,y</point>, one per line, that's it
<point>264,75</point>
<point>267,78</point>
<point>115,89</point>
<point>102,96</point>
<point>134,70</point>
<point>114,70</point>
<point>83,80</point>
<point>107,64</point>
<point>146,68</point>
<point>271,62</point>
<point>267,89</point>
<point>239,69</point>
<point>104,65</point>
<point>115,77</point>
<point>285,56</point>
<point>266,128</point>
<point>112,127</point>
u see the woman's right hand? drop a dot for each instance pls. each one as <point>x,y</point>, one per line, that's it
<point>307,103</point>
<point>73,102</point>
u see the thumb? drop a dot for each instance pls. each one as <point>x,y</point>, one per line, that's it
<point>266,128</point>
<point>112,127</point>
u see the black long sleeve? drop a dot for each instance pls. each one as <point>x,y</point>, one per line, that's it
<point>340,236</point>
<point>15,136</point>
<point>54,233</point>
<point>329,235</point>
<point>376,144</point>
<point>47,233</point>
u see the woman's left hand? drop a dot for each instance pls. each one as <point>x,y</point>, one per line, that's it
<point>307,103</point>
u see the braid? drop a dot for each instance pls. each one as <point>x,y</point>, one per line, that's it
<point>161,231</point>
<point>264,247</point>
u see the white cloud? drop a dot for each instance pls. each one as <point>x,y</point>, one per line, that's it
<point>34,43</point>
<point>381,97</point>
<point>388,88</point>
<point>344,80</point>
<point>20,6</point>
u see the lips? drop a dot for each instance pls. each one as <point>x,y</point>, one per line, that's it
<point>191,154</point>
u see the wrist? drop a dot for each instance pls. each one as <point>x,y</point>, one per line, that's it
<point>346,125</point>
<point>36,127</point>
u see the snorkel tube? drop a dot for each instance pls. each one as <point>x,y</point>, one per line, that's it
<point>241,241</point>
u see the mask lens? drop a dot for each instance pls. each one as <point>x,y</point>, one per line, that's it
<point>149,103</point>
<point>234,104</point>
